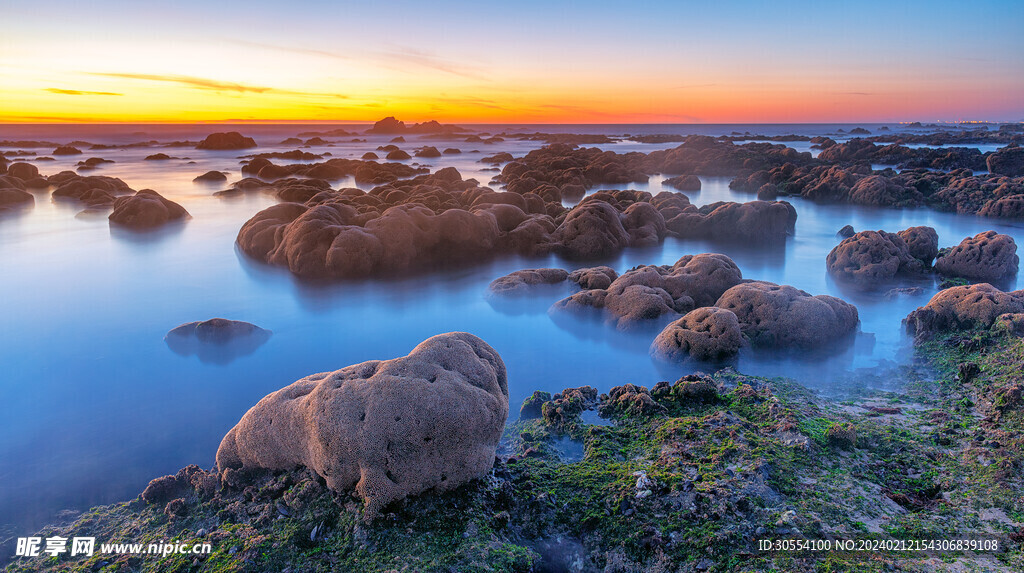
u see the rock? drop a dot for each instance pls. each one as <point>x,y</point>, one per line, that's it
<point>922,243</point>
<point>846,232</point>
<point>706,333</point>
<point>564,408</point>
<point>23,171</point>
<point>684,183</point>
<point>428,152</point>
<point>370,155</point>
<point>1007,161</point>
<point>398,155</point>
<point>649,292</point>
<point>767,192</point>
<point>520,282</point>
<point>431,420</point>
<point>988,256</point>
<point>628,400</point>
<point>452,151</point>
<point>217,340</point>
<point>784,316</point>
<point>228,140</point>
<point>211,177</point>
<point>872,257</point>
<point>67,150</point>
<point>532,406</point>
<point>594,277</point>
<point>11,198</point>
<point>963,307</point>
<point>158,157</point>
<point>1010,323</point>
<point>592,230</point>
<point>146,209</point>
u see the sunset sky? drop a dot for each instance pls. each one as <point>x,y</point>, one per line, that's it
<point>519,62</point>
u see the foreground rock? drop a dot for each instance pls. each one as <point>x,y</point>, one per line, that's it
<point>707,333</point>
<point>872,257</point>
<point>146,209</point>
<point>961,308</point>
<point>649,292</point>
<point>782,316</point>
<point>217,340</point>
<point>228,140</point>
<point>13,198</point>
<point>987,256</point>
<point>387,429</point>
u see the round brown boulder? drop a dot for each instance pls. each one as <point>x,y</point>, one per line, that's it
<point>23,171</point>
<point>13,198</point>
<point>389,429</point>
<point>145,210</point>
<point>963,307</point>
<point>870,257</point>
<point>987,256</point>
<point>211,177</point>
<point>784,316</point>
<point>592,230</point>
<point>707,333</point>
<point>594,277</point>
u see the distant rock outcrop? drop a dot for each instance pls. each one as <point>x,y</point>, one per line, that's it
<point>228,140</point>
<point>217,340</point>
<point>429,421</point>
<point>392,126</point>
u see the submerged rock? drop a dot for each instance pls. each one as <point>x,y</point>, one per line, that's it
<point>520,282</point>
<point>987,256</point>
<point>217,340</point>
<point>146,209</point>
<point>387,429</point>
<point>784,316</point>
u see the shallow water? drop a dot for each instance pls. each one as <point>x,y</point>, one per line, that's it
<point>94,403</point>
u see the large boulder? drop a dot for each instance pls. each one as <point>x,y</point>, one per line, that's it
<point>23,171</point>
<point>870,257</point>
<point>228,140</point>
<point>706,333</point>
<point>963,307</point>
<point>146,209</point>
<point>987,256</point>
<point>784,316</point>
<point>1007,161</point>
<point>592,230</point>
<point>649,292</point>
<point>389,429</point>
<point>11,198</point>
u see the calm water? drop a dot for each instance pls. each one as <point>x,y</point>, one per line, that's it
<point>94,404</point>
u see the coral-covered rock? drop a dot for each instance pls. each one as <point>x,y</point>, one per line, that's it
<point>592,230</point>
<point>706,333</point>
<point>521,282</point>
<point>987,256</point>
<point>387,429</point>
<point>565,407</point>
<point>963,307</point>
<point>531,408</point>
<point>871,257</point>
<point>228,140</point>
<point>146,209</point>
<point>783,316</point>
<point>628,400</point>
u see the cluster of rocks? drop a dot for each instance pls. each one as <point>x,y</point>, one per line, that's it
<point>392,126</point>
<point>436,219</point>
<point>721,311</point>
<point>431,420</point>
<point>363,171</point>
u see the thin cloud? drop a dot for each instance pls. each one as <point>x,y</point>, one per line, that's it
<point>397,58</point>
<point>201,83</point>
<point>80,92</point>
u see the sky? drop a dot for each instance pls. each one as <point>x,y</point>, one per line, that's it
<point>512,62</point>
